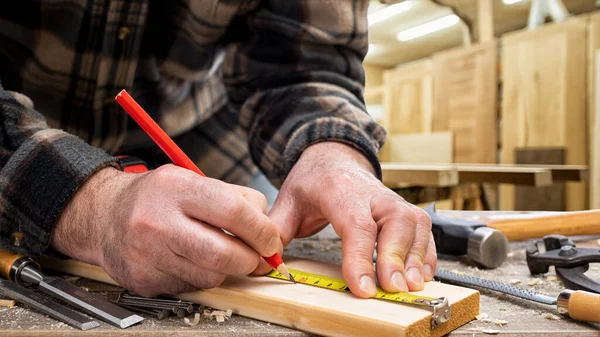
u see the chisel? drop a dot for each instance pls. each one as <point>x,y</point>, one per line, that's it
<point>45,305</point>
<point>576,304</point>
<point>24,270</point>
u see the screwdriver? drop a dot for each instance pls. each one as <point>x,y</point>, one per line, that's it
<point>160,137</point>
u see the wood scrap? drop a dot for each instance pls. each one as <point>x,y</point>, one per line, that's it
<point>313,309</point>
<point>7,303</point>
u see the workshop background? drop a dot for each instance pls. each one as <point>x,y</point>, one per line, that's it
<point>489,104</point>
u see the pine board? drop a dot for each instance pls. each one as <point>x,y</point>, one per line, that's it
<point>426,147</point>
<point>313,309</point>
<point>465,100</point>
<point>544,98</point>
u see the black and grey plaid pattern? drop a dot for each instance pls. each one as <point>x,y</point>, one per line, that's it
<point>239,84</point>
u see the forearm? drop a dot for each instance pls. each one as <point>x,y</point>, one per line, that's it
<point>40,169</point>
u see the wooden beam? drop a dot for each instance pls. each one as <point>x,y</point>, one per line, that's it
<point>313,309</point>
<point>505,175</point>
<point>395,174</point>
<point>485,17</point>
<point>559,172</point>
<point>403,175</point>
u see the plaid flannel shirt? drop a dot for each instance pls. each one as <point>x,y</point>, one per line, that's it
<point>240,83</point>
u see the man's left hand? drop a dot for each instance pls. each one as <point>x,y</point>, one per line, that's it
<point>334,183</point>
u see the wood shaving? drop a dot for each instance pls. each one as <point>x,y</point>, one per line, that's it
<point>219,315</point>
<point>7,303</point>
<point>194,322</point>
<point>510,254</point>
<point>534,282</point>
<point>550,316</point>
<point>481,316</point>
<point>552,278</point>
<point>514,281</point>
<point>485,330</point>
<point>72,279</point>
<point>484,318</point>
<point>458,272</point>
<point>598,242</point>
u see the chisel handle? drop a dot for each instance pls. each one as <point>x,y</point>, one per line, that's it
<point>7,260</point>
<point>580,305</point>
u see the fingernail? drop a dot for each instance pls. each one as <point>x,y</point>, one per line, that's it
<point>415,275</point>
<point>428,271</point>
<point>273,246</point>
<point>399,282</point>
<point>368,285</point>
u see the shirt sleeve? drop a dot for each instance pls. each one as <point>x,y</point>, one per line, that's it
<point>297,76</point>
<point>40,169</point>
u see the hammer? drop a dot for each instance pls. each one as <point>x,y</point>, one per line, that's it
<point>485,246</point>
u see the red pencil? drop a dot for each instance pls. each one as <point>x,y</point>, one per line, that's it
<point>178,157</point>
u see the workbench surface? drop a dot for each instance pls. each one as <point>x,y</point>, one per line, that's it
<point>524,318</point>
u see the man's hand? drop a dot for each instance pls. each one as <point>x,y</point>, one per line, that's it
<point>159,232</point>
<point>332,182</point>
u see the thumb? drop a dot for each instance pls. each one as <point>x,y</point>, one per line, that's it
<point>284,216</point>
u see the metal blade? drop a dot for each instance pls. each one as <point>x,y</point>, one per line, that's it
<point>450,277</point>
<point>45,305</point>
<point>89,302</point>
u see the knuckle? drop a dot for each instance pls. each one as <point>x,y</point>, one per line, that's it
<point>221,259</point>
<point>234,209</point>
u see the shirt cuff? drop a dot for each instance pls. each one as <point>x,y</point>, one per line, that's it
<point>41,177</point>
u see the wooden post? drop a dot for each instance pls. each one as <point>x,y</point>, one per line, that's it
<point>485,17</point>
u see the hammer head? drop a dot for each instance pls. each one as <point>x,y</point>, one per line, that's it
<point>487,247</point>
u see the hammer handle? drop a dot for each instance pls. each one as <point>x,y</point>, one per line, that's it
<point>532,227</point>
<point>584,306</point>
<point>7,259</point>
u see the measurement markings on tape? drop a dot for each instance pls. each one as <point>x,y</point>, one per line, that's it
<point>439,306</point>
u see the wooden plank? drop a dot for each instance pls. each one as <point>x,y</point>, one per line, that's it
<point>546,198</point>
<point>312,309</point>
<point>394,173</point>
<point>402,175</point>
<point>505,175</point>
<point>485,20</point>
<point>559,172</point>
<point>465,100</point>
<point>593,63</point>
<point>544,98</point>
<point>407,100</point>
<point>435,147</point>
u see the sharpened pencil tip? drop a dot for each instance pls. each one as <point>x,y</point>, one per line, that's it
<point>292,278</point>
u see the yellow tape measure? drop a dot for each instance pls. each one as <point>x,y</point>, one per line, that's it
<point>440,306</point>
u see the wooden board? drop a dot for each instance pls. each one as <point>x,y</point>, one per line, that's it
<point>407,100</point>
<point>593,81</point>
<point>544,97</point>
<point>404,175</point>
<point>465,100</point>
<point>434,147</point>
<point>313,309</point>
<point>544,198</point>
<point>397,173</point>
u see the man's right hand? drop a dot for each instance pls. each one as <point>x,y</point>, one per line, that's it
<point>160,232</point>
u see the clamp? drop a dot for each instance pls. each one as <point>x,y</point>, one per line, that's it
<point>570,262</point>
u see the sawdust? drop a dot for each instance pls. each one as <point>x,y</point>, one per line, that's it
<point>535,281</point>
<point>551,278</point>
<point>485,330</point>
<point>514,281</point>
<point>484,318</point>
<point>550,316</point>
<point>194,322</point>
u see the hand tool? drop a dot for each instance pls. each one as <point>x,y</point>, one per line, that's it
<point>570,262</point>
<point>179,158</point>
<point>578,305</point>
<point>485,246</point>
<point>46,305</point>
<point>439,306</point>
<point>25,271</point>
<point>159,313</point>
<point>167,303</point>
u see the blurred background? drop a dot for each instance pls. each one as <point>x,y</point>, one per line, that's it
<point>489,104</point>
